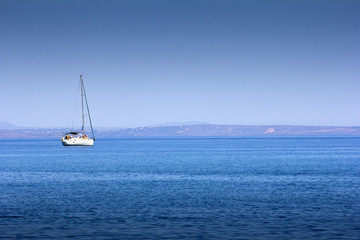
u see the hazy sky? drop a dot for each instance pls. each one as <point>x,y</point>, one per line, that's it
<point>148,62</point>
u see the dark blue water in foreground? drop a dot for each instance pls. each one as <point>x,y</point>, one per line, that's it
<point>256,188</point>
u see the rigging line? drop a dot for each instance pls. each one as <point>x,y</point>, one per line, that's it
<point>74,109</point>
<point>87,107</point>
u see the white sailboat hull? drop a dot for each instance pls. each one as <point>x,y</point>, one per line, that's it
<point>78,142</point>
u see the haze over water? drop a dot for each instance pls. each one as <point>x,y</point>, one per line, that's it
<point>197,188</point>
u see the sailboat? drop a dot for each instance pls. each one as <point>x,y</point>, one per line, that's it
<point>79,138</point>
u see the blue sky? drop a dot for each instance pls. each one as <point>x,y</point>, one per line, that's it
<point>149,62</point>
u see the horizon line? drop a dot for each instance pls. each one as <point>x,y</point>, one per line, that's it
<point>182,125</point>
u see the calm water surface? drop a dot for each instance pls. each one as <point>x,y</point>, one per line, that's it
<point>247,188</point>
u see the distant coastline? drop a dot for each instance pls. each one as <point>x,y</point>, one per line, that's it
<point>209,130</point>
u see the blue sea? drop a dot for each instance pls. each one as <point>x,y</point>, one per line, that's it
<point>187,188</point>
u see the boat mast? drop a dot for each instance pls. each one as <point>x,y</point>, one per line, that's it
<point>82,104</point>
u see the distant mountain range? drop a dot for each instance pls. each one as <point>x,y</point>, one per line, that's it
<point>172,124</point>
<point>210,130</point>
<point>6,125</point>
